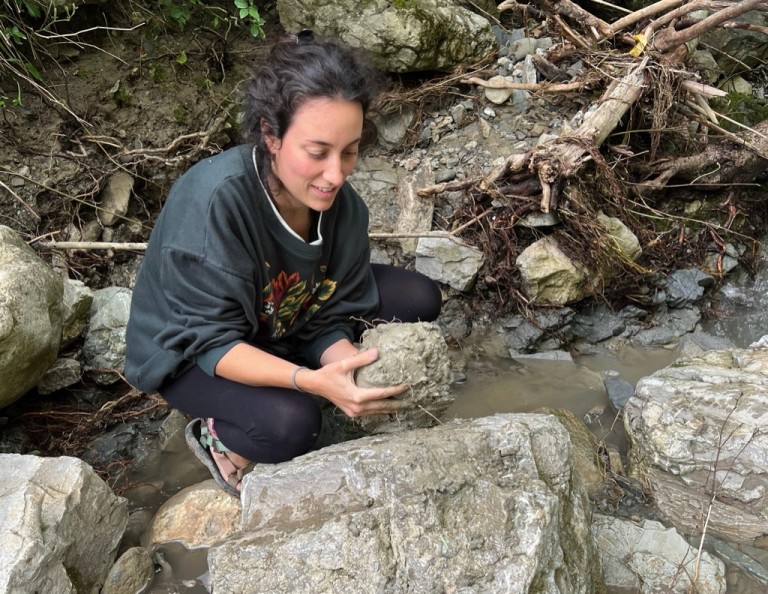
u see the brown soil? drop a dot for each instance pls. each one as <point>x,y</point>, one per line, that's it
<point>146,101</point>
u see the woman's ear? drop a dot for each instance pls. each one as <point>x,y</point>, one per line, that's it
<point>272,142</point>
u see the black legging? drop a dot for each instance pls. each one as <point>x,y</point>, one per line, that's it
<point>267,424</point>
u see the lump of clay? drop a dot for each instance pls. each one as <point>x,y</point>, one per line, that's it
<point>412,354</point>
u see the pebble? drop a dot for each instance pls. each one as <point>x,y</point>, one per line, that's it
<point>497,96</point>
<point>459,114</point>
<point>445,175</point>
<point>410,163</point>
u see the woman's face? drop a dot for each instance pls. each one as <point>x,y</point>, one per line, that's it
<point>317,153</point>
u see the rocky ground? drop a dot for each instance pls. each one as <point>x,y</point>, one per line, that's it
<point>156,99</point>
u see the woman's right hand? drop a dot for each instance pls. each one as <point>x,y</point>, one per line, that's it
<point>335,382</point>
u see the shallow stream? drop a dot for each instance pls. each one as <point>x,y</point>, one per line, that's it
<point>497,384</point>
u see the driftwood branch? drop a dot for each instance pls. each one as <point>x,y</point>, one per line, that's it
<point>670,38</point>
<point>597,27</point>
<point>642,14</point>
<point>717,164</point>
<point>535,87</point>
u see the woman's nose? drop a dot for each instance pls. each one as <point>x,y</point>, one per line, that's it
<point>333,172</point>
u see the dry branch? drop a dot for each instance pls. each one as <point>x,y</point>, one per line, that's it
<point>720,163</point>
<point>641,14</point>
<point>597,27</point>
<point>670,38</point>
<point>559,161</point>
<point>535,87</point>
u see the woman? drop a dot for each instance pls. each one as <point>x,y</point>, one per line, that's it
<point>257,281</point>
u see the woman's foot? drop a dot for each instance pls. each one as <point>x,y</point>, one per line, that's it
<point>230,472</point>
<point>227,468</point>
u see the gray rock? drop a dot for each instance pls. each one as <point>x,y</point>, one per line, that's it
<point>115,198</point>
<point>627,244</point>
<point>392,197</point>
<point>685,287</point>
<point>104,347</point>
<point>430,35</point>
<point>60,526</point>
<point>412,354</point>
<point>545,356</point>
<point>522,47</point>
<point>740,560</point>
<point>650,558</point>
<point>522,335</point>
<point>539,219</point>
<point>448,261</point>
<point>598,324</point>
<point>699,342</point>
<point>698,426</point>
<point>459,114</point>
<point>707,65</point>
<point>393,127</point>
<point>76,309</point>
<point>62,374</point>
<point>619,392</point>
<point>30,317</point>
<point>490,504</point>
<point>133,572</point>
<point>668,326</point>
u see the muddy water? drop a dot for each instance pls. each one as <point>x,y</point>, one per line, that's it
<point>502,385</point>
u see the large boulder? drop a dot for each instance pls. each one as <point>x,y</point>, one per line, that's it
<point>490,505</point>
<point>60,526</point>
<point>697,432</point>
<point>30,317</point>
<point>400,35</point>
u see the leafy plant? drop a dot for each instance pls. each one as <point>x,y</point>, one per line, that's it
<point>178,13</point>
<point>249,14</point>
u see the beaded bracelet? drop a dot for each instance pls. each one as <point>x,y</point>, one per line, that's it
<point>293,378</point>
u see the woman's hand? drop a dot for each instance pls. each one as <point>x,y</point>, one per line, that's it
<point>335,381</point>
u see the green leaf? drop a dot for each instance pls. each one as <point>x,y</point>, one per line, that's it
<point>33,71</point>
<point>243,13</point>
<point>33,10</point>
<point>182,57</point>
<point>241,3</point>
<point>17,34</point>
<point>257,31</point>
<point>253,12</point>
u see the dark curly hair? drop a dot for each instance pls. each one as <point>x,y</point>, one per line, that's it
<point>299,68</point>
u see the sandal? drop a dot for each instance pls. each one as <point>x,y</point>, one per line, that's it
<point>229,483</point>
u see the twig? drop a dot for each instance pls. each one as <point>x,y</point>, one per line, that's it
<point>139,246</point>
<point>535,87</point>
<point>702,89</point>
<point>730,135</point>
<point>26,206</point>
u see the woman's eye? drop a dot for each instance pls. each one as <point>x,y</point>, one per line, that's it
<point>317,156</point>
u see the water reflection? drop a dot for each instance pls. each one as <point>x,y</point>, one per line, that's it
<point>503,385</point>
